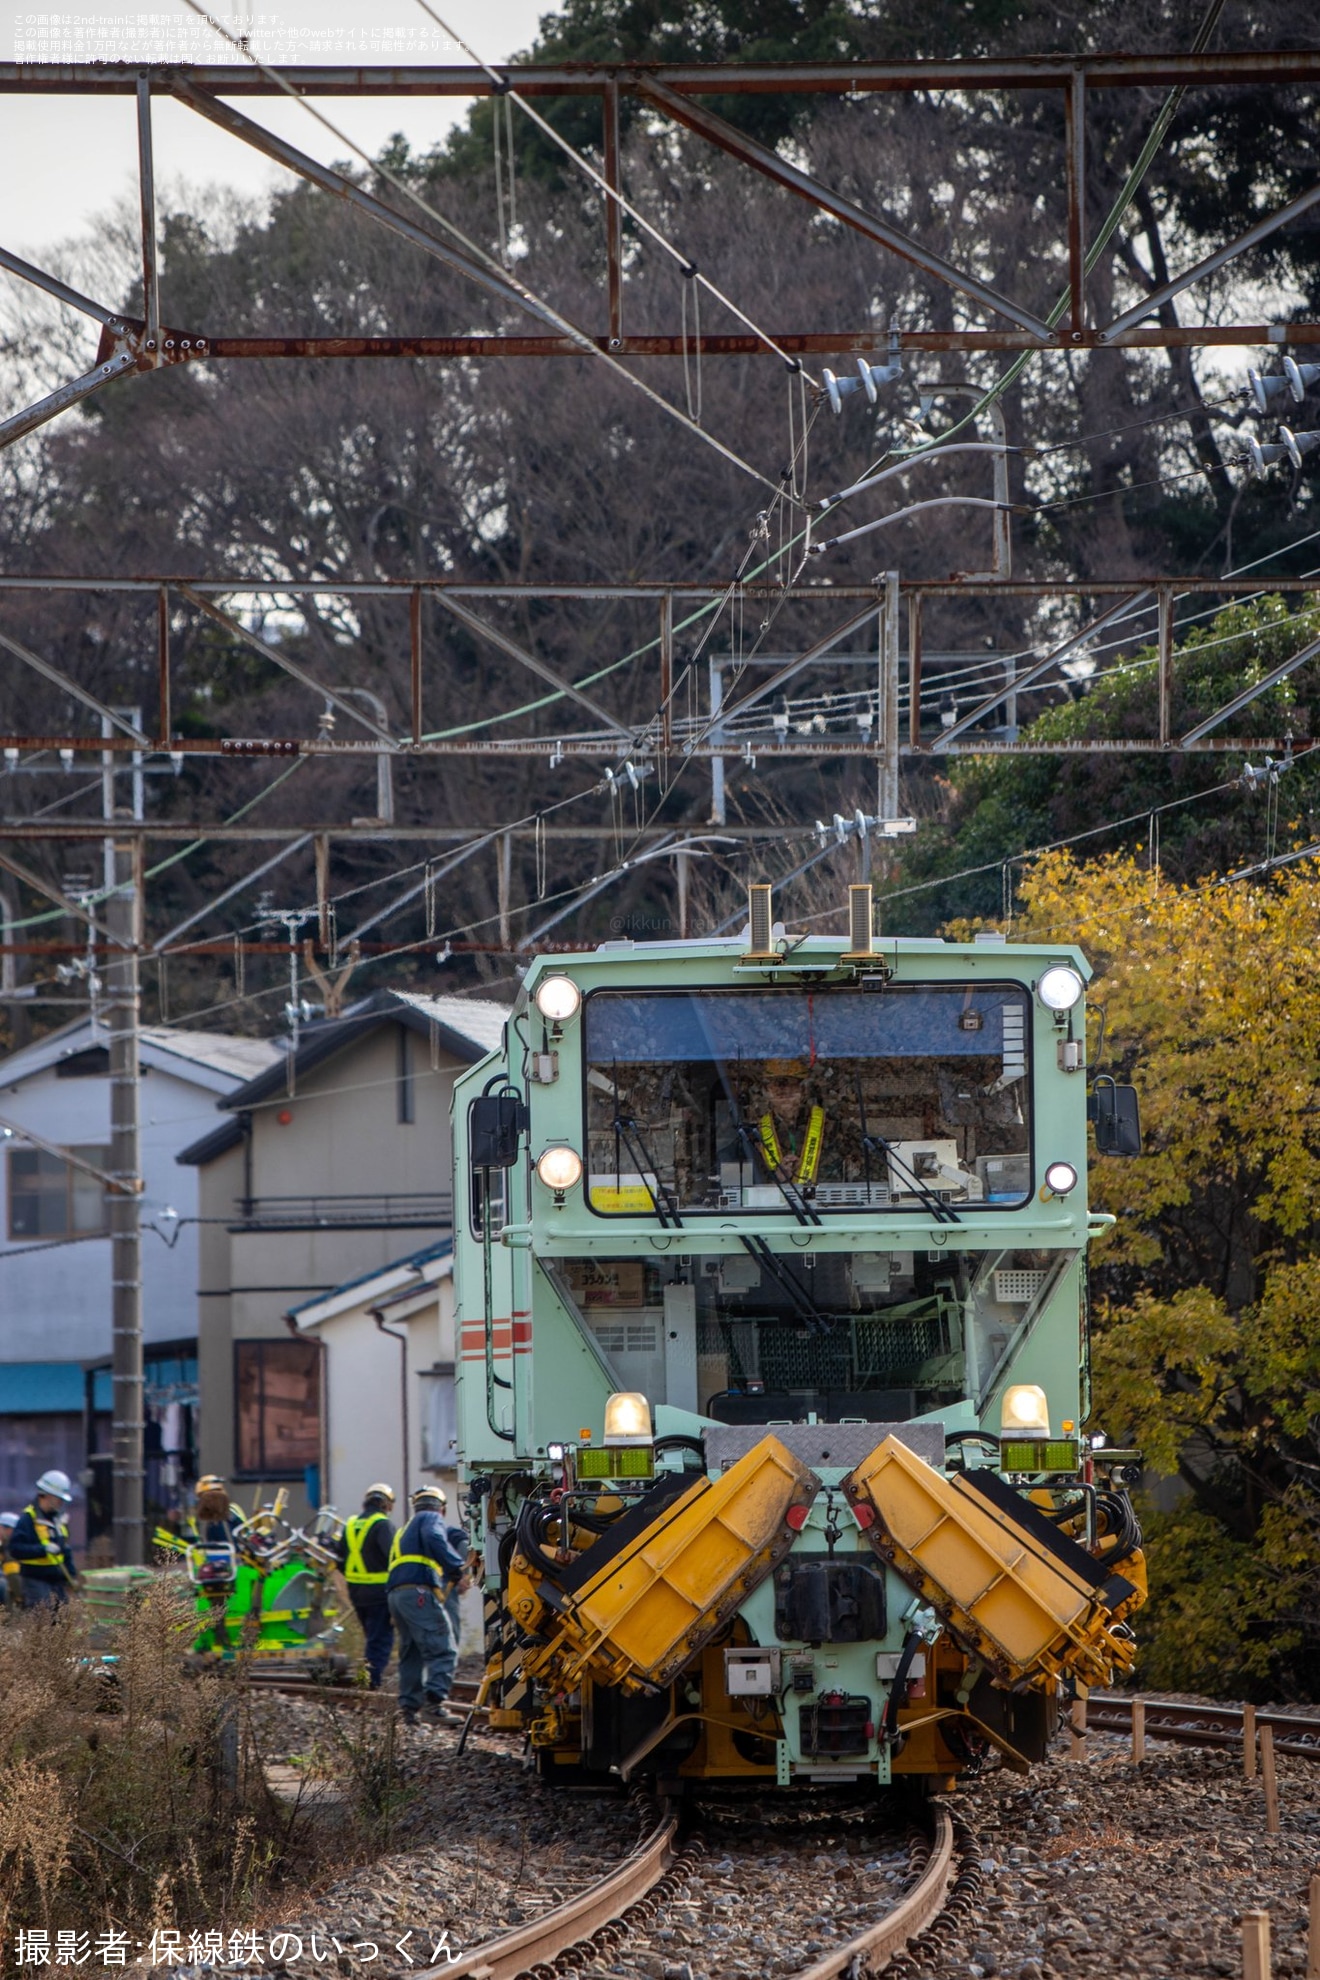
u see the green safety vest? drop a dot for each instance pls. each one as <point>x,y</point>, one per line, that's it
<point>355,1532</point>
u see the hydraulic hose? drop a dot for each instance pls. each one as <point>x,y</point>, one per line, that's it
<point>898,1691</point>
<point>530,1519</point>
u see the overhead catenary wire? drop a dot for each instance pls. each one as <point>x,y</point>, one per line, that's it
<point>537,304</point>
<point>1110,225</point>
<point>1037,852</point>
<point>614,194</point>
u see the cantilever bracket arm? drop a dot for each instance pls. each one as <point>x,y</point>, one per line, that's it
<point>727,137</point>
<point>1249,694</point>
<point>1149,304</point>
<point>1037,669</point>
<point>485,630</point>
<point>59,401</point>
<point>61,680</point>
<point>75,908</point>
<point>62,291</point>
<point>278,659</point>
<point>288,155</point>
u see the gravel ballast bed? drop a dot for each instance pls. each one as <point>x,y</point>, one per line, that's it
<point>479,1847</point>
<point>1097,1867</point>
<point>1102,1867</point>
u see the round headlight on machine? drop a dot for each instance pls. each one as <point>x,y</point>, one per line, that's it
<point>557,998</point>
<point>560,1168</point>
<point>1060,1178</point>
<point>1060,987</point>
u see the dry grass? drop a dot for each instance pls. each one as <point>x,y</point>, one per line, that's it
<point>133,1793</point>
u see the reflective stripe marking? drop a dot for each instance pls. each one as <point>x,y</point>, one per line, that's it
<point>355,1532</point>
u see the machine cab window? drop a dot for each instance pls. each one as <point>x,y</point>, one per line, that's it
<point>765,1099</point>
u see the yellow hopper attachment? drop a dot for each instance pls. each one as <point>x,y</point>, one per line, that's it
<point>640,1602</point>
<point>1016,1593</point>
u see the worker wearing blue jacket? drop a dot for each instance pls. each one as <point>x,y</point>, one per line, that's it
<point>40,1543</point>
<point>424,1564</point>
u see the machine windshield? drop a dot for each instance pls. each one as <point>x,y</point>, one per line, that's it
<point>749,1338</point>
<point>772,1100</point>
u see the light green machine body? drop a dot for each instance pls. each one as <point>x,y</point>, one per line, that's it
<point>770,1198</point>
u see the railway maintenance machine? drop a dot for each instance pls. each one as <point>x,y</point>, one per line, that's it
<point>772,1370</point>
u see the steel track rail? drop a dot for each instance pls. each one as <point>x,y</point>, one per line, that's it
<point>462,1697</point>
<point>874,1947</point>
<point>532,1946</point>
<point>1205,1725</point>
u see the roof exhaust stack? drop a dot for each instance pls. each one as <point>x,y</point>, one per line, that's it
<point>760,926</point>
<point>861,934</point>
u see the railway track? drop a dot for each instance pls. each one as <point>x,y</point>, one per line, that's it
<point>463,1694</point>
<point>595,1925</point>
<point>1205,1725</point>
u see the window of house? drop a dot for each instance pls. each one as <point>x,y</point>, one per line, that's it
<point>50,1199</point>
<point>277,1391</point>
<point>404,1082</point>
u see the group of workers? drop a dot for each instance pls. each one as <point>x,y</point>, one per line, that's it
<point>407,1582</point>
<point>404,1582</point>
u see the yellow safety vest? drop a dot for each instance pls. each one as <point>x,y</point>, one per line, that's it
<point>46,1525</point>
<point>355,1532</point>
<point>398,1558</point>
<point>811,1146</point>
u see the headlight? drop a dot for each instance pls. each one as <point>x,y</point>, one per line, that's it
<point>1060,1178</point>
<point>557,998</point>
<point>1024,1408</point>
<point>560,1168</point>
<point>627,1418</point>
<point>1059,987</point>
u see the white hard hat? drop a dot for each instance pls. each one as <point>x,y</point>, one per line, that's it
<point>10,1519</point>
<point>57,1484</point>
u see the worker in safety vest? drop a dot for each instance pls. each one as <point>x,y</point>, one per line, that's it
<point>424,1563</point>
<point>216,1519</point>
<point>364,1555</point>
<point>9,1596</point>
<point>40,1543</point>
<point>174,1533</point>
<point>790,1134</point>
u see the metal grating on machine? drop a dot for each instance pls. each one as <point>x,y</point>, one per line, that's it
<point>897,1347</point>
<point>1014,1288</point>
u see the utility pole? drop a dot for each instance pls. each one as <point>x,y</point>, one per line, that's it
<point>122,1008</point>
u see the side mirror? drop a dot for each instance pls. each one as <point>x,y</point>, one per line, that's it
<point>495,1121</point>
<point>1117,1117</point>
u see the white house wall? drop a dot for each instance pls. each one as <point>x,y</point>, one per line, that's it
<point>55,1302</point>
<point>342,1138</point>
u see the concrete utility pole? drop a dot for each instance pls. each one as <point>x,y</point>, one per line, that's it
<point>123,913</point>
<point>122,1008</point>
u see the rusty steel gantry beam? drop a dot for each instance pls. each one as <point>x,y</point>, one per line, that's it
<point>1142,605</point>
<point>152,342</point>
